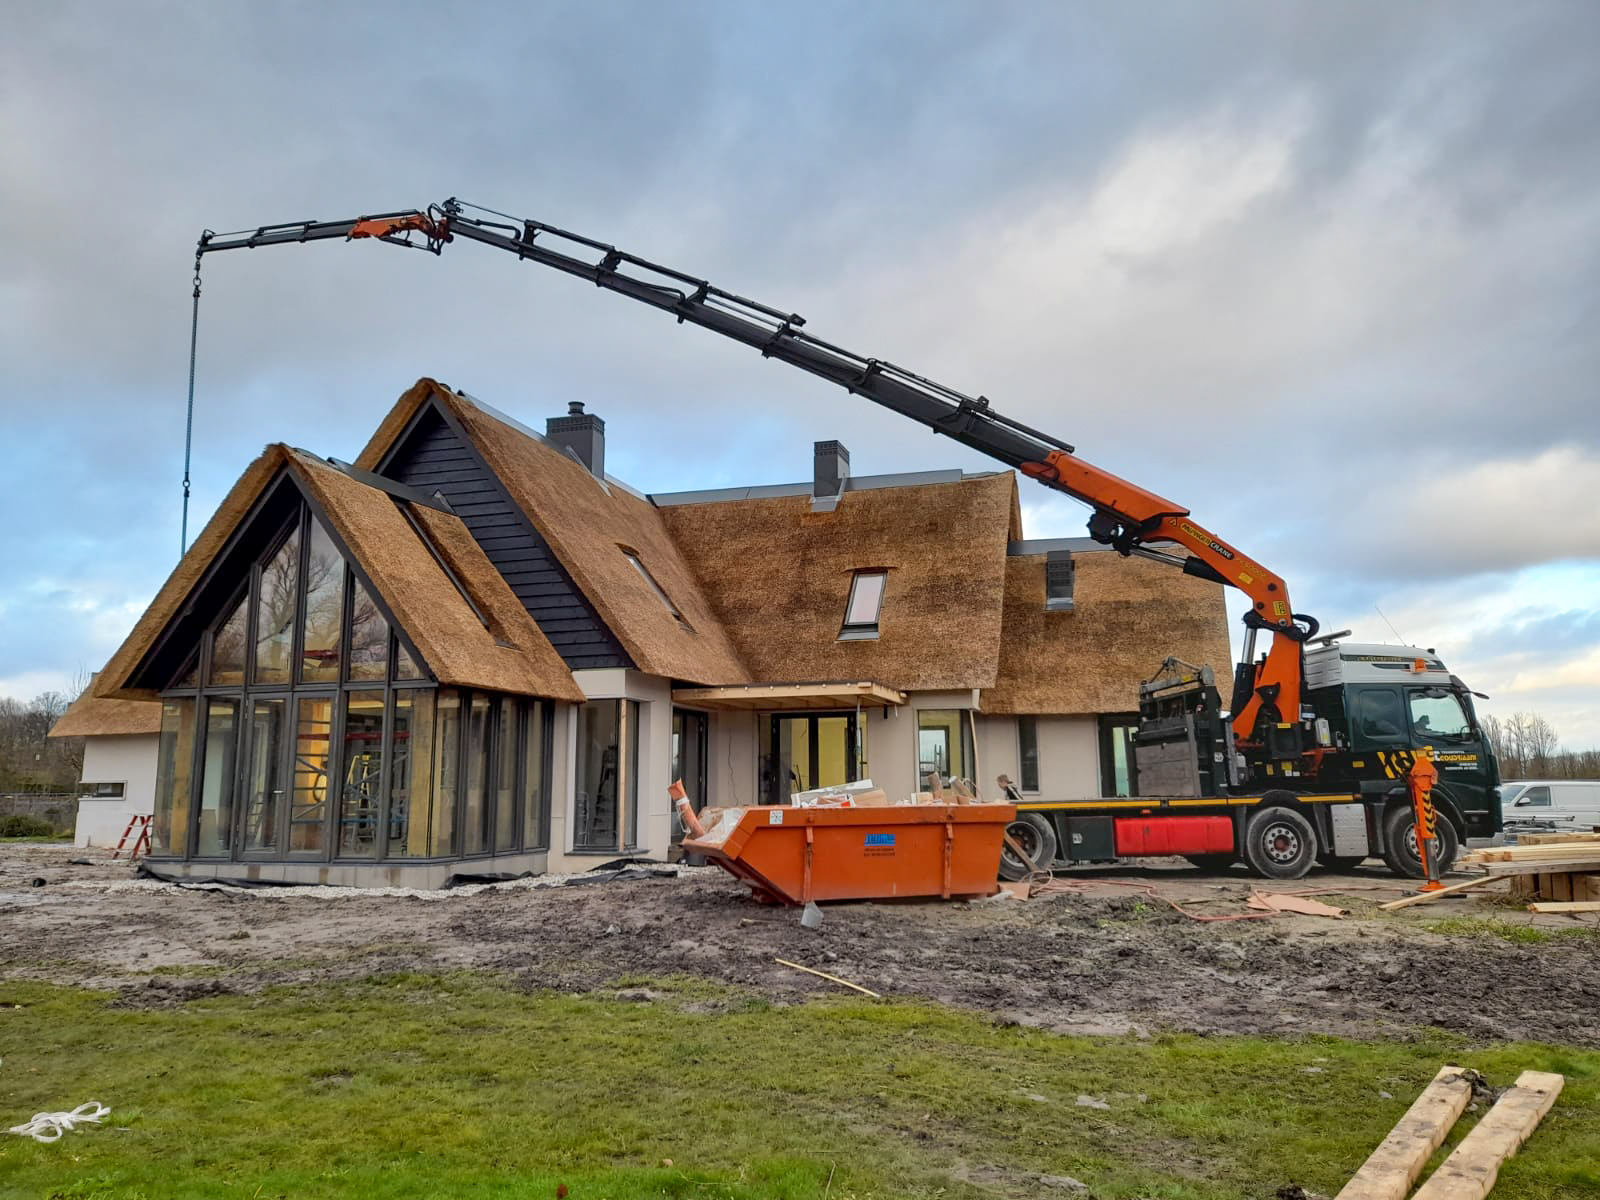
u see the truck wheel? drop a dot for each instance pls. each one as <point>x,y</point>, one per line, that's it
<point>1037,836</point>
<point>1213,862</point>
<point>1279,844</point>
<point>1400,843</point>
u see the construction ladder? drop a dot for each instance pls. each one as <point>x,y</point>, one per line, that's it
<point>141,843</point>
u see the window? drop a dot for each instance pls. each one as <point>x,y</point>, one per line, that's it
<point>228,647</point>
<point>1379,716</point>
<point>325,570</point>
<point>944,745</point>
<point>446,767</point>
<point>478,810</point>
<point>812,751</point>
<point>263,800</point>
<point>633,557</point>
<point>169,828</point>
<point>216,778</point>
<point>362,774</point>
<point>1534,797</point>
<point>1028,753</point>
<point>505,788</point>
<point>278,597</point>
<point>369,636</point>
<point>411,773</point>
<point>100,791</point>
<point>535,776</point>
<point>607,801</point>
<point>308,797</point>
<point>1119,775</point>
<point>1438,713</point>
<point>862,609</point>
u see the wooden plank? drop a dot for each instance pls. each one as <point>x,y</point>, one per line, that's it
<point>1561,888</point>
<point>1590,887</point>
<point>1544,839</point>
<point>1524,885</point>
<point>1565,906</point>
<point>1392,1168</point>
<point>1580,867</point>
<point>1472,1167</point>
<point>1447,890</point>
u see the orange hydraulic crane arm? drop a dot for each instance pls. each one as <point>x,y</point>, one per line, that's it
<point>1126,517</point>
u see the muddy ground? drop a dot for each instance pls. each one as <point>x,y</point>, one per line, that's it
<point>1099,956</point>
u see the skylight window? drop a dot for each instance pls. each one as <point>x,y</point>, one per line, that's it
<point>865,604</point>
<point>633,557</point>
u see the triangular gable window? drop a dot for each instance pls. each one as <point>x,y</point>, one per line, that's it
<point>297,614</point>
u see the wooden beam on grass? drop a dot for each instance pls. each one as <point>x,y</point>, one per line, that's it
<point>1447,890</point>
<point>1565,906</point>
<point>1394,1166</point>
<point>1472,1167</point>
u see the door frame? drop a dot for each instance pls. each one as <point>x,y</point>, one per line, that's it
<point>852,739</point>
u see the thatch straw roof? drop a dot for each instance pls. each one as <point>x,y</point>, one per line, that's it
<point>1128,615</point>
<point>586,526</point>
<point>90,716</point>
<point>779,577</point>
<point>511,655</point>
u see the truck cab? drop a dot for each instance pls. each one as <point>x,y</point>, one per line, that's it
<point>1375,706</point>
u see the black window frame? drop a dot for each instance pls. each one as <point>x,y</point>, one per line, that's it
<point>1028,754</point>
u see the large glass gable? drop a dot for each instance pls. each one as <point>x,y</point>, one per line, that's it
<point>303,727</point>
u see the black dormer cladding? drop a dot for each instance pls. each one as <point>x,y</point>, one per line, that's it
<point>433,456</point>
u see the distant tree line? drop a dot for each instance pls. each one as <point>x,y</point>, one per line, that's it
<point>1527,748</point>
<point>30,762</point>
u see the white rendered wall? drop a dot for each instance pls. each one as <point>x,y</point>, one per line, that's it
<point>654,834</point>
<point>1069,758</point>
<point>126,759</point>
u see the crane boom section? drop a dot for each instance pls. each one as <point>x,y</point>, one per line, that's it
<point>1126,517</point>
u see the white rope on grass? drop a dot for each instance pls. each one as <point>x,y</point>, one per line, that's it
<point>49,1127</point>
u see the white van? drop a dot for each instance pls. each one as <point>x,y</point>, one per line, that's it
<point>1558,803</point>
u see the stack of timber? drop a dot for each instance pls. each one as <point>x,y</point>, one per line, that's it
<point>1555,872</point>
<point>1470,1171</point>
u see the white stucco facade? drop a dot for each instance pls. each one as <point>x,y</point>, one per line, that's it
<point>126,759</point>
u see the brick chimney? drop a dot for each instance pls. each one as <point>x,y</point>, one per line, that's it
<point>581,433</point>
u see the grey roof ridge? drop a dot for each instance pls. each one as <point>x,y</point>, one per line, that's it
<point>856,483</point>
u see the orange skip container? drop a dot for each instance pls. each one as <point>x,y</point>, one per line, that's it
<point>793,855</point>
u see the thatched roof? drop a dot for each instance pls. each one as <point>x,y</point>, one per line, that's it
<point>586,526</point>
<point>779,577</point>
<point>90,716</point>
<point>1128,614</point>
<point>512,655</point>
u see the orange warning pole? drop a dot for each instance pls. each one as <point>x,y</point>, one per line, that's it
<point>1422,777</point>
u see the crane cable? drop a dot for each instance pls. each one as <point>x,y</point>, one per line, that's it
<point>188,428</point>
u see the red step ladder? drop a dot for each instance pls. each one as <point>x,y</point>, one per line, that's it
<point>141,842</point>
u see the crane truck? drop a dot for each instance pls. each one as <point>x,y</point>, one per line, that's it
<point>1306,762</point>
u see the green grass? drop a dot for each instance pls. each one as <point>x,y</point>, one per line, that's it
<point>1511,931</point>
<point>465,1086</point>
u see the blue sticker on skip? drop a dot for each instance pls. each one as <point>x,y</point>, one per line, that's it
<point>880,839</point>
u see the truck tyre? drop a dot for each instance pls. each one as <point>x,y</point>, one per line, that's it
<point>1037,836</point>
<point>1400,843</point>
<point>1279,844</point>
<point>1213,862</point>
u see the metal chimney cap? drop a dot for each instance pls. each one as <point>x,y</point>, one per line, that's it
<point>574,408</point>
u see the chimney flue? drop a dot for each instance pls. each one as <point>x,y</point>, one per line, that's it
<point>830,468</point>
<point>582,434</point>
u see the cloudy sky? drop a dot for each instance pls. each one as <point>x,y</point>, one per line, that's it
<point>1326,274</point>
